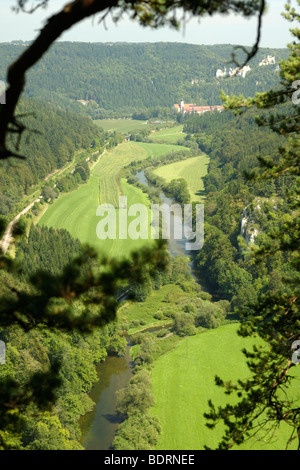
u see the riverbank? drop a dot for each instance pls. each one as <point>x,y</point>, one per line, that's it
<point>99,426</point>
<point>153,316</point>
<point>76,212</point>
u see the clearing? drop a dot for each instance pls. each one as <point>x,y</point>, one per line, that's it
<point>172,134</point>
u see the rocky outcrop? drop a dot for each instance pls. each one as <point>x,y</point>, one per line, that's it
<point>248,229</point>
<point>233,72</point>
<point>269,60</point>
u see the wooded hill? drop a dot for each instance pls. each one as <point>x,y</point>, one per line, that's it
<point>57,136</point>
<point>236,207</point>
<point>129,77</point>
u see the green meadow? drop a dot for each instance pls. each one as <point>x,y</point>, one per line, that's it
<point>140,315</point>
<point>172,134</point>
<point>192,170</point>
<point>76,211</point>
<point>183,382</point>
<point>157,150</point>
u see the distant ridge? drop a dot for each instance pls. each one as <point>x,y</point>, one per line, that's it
<point>134,76</point>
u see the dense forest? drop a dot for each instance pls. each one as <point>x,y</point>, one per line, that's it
<point>237,208</point>
<point>35,351</point>
<point>121,77</point>
<point>35,252</point>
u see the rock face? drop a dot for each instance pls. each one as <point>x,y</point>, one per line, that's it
<point>233,72</point>
<point>258,215</point>
<point>248,231</point>
<point>269,60</point>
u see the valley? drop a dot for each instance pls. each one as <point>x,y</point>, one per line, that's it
<point>113,340</point>
<point>76,211</point>
<point>181,371</point>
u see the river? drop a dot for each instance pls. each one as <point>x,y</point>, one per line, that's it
<point>99,426</point>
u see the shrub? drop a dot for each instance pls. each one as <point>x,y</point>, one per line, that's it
<point>210,315</point>
<point>159,315</point>
<point>138,432</point>
<point>136,397</point>
<point>184,324</point>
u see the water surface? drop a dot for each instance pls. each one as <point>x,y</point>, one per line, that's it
<point>99,426</point>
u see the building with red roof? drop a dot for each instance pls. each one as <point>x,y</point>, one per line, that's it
<point>193,108</point>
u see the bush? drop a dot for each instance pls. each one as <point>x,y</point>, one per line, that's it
<point>138,432</point>
<point>134,323</point>
<point>184,324</point>
<point>159,315</point>
<point>189,308</point>
<point>146,351</point>
<point>210,315</point>
<point>49,193</point>
<point>161,333</point>
<point>137,338</point>
<point>140,292</point>
<point>136,398</point>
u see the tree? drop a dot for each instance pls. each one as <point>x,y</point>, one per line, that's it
<point>136,398</point>
<point>265,400</point>
<point>49,193</point>
<point>138,432</point>
<point>210,315</point>
<point>179,190</point>
<point>184,324</point>
<point>49,302</point>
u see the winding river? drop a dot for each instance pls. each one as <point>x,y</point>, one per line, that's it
<point>99,426</point>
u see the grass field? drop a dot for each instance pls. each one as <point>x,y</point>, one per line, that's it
<point>112,161</point>
<point>183,382</point>
<point>173,134</point>
<point>121,125</point>
<point>157,150</point>
<point>76,211</point>
<point>192,170</point>
<point>140,315</point>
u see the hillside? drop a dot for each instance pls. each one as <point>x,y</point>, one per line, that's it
<point>57,136</point>
<point>127,77</point>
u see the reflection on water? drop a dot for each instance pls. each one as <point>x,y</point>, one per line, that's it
<point>99,426</point>
<point>176,247</point>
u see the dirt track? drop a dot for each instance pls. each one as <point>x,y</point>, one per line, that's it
<point>7,237</point>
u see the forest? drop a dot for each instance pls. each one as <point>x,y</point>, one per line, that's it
<point>56,137</point>
<point>36,351</point>
<point>233,145</point>
<point>124,79</point>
